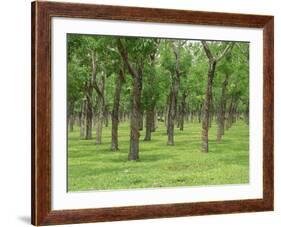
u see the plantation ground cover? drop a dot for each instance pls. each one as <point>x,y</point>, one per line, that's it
<point>96,167</point>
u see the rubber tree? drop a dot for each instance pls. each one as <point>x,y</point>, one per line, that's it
<point>119,80</point>
<point>134,52</point>
<point>212,63</point>
<point>174,61</point>
<point>151,92</point>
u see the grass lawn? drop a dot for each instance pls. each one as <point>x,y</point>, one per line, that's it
<point>96,167</point>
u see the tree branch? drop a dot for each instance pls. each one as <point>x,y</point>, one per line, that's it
<point>228,48</point>
<point>207,50</point>
<point>124,55</point>
<point>94,75</point>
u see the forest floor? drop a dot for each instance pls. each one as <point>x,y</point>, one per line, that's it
<point>96,167</point>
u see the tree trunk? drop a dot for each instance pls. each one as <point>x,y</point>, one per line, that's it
<point>106,116</point>
<point>182,110</point>
<point>149,124</point>
<point>135,116</point>
<point>136,74</point>
<point>100,111</point>
<point>155,121</point>
<point>71,122</point>
<point>231,113</point>
<point>89,117</point>
<point>99,121</point>
<point>141,121</point>
<point>172,110</point>
<point>82,119</point>
<point>221,110</point>
<point>115,112</point>
<point>246,114</point>
<point>206,107</point>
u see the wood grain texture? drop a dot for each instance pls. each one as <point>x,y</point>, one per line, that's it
<point>42,12</point>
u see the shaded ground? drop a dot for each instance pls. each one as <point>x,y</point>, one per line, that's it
<point>96,167</point>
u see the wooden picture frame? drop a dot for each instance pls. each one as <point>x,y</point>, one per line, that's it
<point>42,13</point>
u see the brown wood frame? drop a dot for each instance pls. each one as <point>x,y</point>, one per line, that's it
<point>42,12</point>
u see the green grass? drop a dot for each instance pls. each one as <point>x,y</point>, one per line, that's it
<point>96,167</point>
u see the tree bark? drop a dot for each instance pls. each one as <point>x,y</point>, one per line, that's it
<point>106,116</point>
<point>206,106</point>
<point>141,121</point>
<point>71,122</point>
<point>182,110</point>
<point>135,115</point>
<point>246,114</point>
<point>155,121</point>
<point>173,96</point>
<point>100,111</point>
<point>208,96</point>
<point>149,124</point>
<point>115,111</point>
<point>221,110</point>
<point>89,116</point>
<point>136,101</point>
<point>172,110</point>
<point>82,119</point>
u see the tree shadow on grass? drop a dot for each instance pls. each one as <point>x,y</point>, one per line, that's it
<point>242,160</point>
<point>155,157</point>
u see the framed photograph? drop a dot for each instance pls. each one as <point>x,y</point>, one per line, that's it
<point>142,113</point>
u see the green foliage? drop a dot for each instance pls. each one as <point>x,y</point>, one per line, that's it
<point>156,59</point>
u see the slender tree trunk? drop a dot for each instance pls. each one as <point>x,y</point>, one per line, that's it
<point>141,121</point>
<point>106,116</point>
<point>100,111</point>
<point>149,124</point>
<point>89,116</point>
<point>246,114</point>
<point>135,115</point>
<point>82,119</point>
<point>183,110</point>
<point>155,121</point>
<point>230,112</point>
<point>206,107</point>
<point>167,112</point>
<point>71,122</point>
<point>172,110</point>
<point>221,110</point>
<point>99,121</point>
<point>115,112</point>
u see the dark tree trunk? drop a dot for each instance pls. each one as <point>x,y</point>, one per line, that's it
<point>172,110</point>
<point>149,124</point>
<point>89,117</point>
<point>199,114</point>
<point>115,111</point>
<point>206,106</point>
<point>99,120</point>
<point>82,119</point>
<point>141,121</point>
<point>246,114</point>
<point>70,116</point>
<point>208,97</point>
<point>136,74</point>
<point>221,110</point>
<point>71,122</point>
<point>182,110</point>
<point>100,111</point>
<point>154,122</point>
<point>231,113</point>
<point>106,116</point>
<point>135,116</point>
<point>173,95</point>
